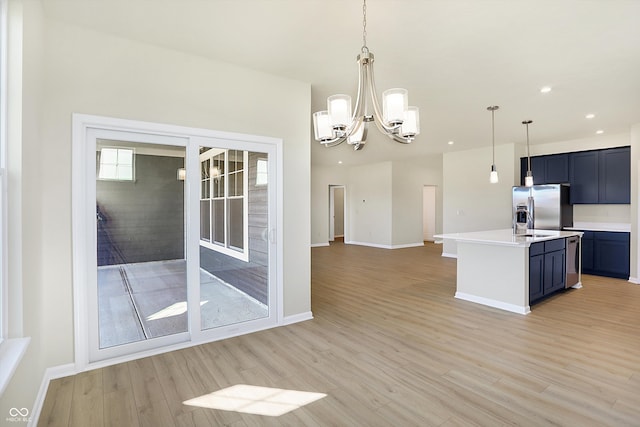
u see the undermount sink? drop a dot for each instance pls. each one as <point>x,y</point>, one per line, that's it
<point>533,235</point>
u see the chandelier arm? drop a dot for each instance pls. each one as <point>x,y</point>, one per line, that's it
<point>376,105</point>
<point>334,142</point>
<point>401,139</point>
<point>393,136</point>
<point>358,113</point>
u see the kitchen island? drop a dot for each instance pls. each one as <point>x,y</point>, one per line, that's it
<point>497,267</point>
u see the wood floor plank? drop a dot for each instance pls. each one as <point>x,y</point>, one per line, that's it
<point>87,408</point>
<point>145,382</point>
<point>56,408</point>
<point>391,346</point>
<point>116,377</point>
<point>120,409</point>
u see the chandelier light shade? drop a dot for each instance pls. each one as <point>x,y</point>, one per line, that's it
<point>528,179</point>
<point>493,176</point>
<point>411,124</point>
<point>322,126</point>
<point>339,123</point>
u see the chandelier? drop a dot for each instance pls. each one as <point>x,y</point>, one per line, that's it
<point>338,124</point>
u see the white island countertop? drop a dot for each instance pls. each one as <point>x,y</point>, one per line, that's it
<point>506,237</point>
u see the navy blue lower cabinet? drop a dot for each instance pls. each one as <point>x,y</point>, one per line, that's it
<point>546,268</point>
<point>606,253</point>
<point>554,277</point>
<point>611,254</point>
<point>587,252</point>
<point>536,277</point>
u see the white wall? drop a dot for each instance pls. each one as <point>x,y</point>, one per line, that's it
<point>86,72</point>
<point>635,200</point>
<point>409,179</point>
<point>370,207</point>
<point>321,178</point>
<point>380,221</point>
<point>470,201</point>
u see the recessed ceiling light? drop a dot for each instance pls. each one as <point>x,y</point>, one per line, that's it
<point>545,89</point>
<point>450,142</point>
<point>599,131</point>
<point>339,162</point>
<point>589,116</point>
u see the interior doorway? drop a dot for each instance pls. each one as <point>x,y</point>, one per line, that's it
<point>337,217</point>
<point>428,212</point>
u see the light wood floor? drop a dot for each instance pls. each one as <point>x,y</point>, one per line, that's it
<point>390,346</point>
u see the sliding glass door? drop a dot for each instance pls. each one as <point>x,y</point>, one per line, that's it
<point>234,237</point>
<point>140,224</point>
<point>176,240</point>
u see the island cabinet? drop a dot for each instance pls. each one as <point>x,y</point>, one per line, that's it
<point>508,271</point>
<point>606,253</point>
<point>546,268</point>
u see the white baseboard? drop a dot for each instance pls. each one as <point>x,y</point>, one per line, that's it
<point>376,245</point>
<point>493,303</point>
<point>448,255</point>
<point>319,245</point>
<point>634,280</point>
<point>300,317</point>
<point>52,373</point>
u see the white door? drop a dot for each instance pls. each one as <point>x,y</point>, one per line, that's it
<point>337,217</point>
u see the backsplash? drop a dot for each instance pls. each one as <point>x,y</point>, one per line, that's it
<point>602,213</point>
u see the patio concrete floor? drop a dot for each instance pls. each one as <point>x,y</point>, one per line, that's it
<point>148,300</point>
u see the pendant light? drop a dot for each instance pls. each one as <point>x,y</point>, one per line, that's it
<point>493,176</point>
<point>528,179</point>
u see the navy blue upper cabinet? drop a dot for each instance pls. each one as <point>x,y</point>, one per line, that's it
<point>615,175</point>
<point>551,169</point>
<point>595,176</point>
<point>583,171</point>
<point>557,169</point>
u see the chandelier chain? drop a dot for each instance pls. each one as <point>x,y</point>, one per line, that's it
<point>364,24</point>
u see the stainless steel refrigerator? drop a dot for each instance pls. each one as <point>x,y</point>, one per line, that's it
<point>549,205</point>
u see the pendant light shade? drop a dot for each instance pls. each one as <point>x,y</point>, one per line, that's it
<point>493,176</point>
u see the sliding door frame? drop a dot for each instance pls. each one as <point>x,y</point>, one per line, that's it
<point>86,128</point>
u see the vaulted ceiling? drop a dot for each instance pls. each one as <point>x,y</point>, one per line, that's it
<point>456,57</point>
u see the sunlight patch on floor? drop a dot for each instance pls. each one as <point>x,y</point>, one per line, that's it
<point>256,400</point>
<point>173,310</point>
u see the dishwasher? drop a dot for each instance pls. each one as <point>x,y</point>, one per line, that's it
<point>572,262</point>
